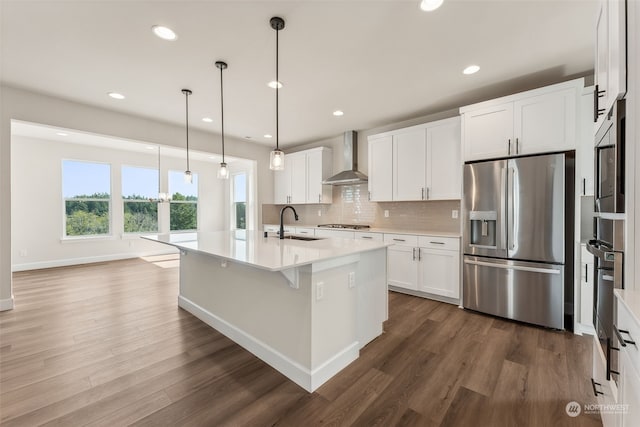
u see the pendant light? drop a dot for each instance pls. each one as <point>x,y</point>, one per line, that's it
<point>223,172</point>
<point>188,177</point>
<point>276,158</point>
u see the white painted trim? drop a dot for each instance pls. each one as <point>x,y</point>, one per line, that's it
<point>6,304</point>
<point>308,380</point>
<point>85,260</point>
<point>425,126</point>
<point>583,329</point>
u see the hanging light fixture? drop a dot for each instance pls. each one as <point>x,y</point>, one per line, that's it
<point>162,196</point>
<point>188,177</point>
<point>223,172</point>
<point>276,159</point>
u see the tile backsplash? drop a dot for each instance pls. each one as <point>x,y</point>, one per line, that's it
<point>351,206</point>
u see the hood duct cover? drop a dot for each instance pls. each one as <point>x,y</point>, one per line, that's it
<point>350,175</point>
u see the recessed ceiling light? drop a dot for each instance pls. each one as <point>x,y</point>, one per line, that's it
<point>116,95</point>
<point>164,33</point>
<point>62,134</point>
<point>338,113</point>
<point>266,135</point>
<point>430,5</point>
<point>247,137</point>
<point>150,147</point>
<point>212,157</point>
<point>471,69</point>
<point>274,84</point>
<point>207,119</point>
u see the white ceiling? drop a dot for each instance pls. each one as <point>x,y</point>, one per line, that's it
<point>378,61</point>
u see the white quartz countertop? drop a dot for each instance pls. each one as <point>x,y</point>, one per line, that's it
<point>378,230</point>
<point>268,253</point>
<point>631,300</point>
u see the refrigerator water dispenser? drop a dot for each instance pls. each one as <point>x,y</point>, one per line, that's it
<point>483,228</point>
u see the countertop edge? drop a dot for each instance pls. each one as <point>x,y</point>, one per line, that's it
<point>451,234</point>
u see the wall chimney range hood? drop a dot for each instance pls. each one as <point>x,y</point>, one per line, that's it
<point>350,175</point>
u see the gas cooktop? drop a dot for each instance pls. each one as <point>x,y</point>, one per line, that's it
<point>345,226</point>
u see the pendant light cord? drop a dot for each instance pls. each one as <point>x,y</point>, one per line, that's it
<point>277,99</point>
<point>186,98</point>
<point>222,112</point>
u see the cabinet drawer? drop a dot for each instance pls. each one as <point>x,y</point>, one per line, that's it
<point>369,236</point>
<point>305,231</point>
<point>401,239</point>
<point>276,228</point>
<point>626,322</point>
<point>448,243</point>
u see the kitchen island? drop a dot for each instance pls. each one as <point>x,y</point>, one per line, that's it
<point>305,307</point>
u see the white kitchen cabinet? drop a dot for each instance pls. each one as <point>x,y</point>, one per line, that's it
<point>301,180</point>
<point>629,357</point>
<point>304,231</point>
<point>586,289</point>
<point>444,163</point>
<point>409,164</point>
<point>629,391</point>
<point>378,237</point>
<point>439,266</point>
<point>535,121</point>
<point>585,144</point>
<point>380,168</point>
<point>487,131</point>
<point>417,163</point>
<point>426,264</point>
<point>606,390</point>
<point>610,55</point>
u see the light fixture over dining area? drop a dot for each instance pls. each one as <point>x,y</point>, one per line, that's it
<point>188,177</point>
<point>223,172</point>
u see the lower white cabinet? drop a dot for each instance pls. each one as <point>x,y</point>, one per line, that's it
<point>340,234</point>
<point>586,288</point>
<point>628,332</point>
<point>629,391</point>
<point>606,390</point>
<point>424,264</point>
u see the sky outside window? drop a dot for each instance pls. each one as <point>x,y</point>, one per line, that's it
<point>139,182</point>
<point>177,184</point>
<point>85,178</point>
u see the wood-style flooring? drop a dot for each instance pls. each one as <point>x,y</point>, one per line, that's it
<point>106,344</point>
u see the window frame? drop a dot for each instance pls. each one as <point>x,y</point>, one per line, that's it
<point>151,200</point>
<point>86,199</point>
<point>233,201</point>
<point>196,202</point>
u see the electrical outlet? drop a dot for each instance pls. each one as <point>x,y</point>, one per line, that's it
<point>130,243</point>
<point>454,213</point>
<point>23,252</point>
<point>319,212</point>
<point>223,264</point>
<point>386,213</point>
<point>319,291</point>
<point>352,279</point>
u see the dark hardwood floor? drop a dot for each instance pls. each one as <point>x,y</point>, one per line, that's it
<point>106,344</point>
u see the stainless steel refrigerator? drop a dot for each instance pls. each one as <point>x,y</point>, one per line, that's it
<point>518,238</point>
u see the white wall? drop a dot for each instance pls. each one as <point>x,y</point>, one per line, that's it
<point>33,107</point>
<point>37,207</point>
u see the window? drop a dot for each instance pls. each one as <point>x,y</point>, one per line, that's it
<point>240,200</point>
<point>86,189</point>
<point>183,213</point>
<point>139,199</point>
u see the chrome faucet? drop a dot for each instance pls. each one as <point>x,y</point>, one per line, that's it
<point>295,214</point>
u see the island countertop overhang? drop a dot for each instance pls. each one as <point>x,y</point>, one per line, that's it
<point>267,253</point>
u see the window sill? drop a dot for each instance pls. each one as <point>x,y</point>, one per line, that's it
<point>135,236</point>
<point>80,239</point>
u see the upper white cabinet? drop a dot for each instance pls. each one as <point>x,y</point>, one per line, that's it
<point>585,144</point>
<point>416,163</point>
<point>535,121</point>
<point>380,168</point>
<point>610,55</point>
<point>301,180</point>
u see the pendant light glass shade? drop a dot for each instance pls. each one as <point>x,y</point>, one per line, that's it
<point>223,172</point>
<point>276,158</point>
<point>188,178</point>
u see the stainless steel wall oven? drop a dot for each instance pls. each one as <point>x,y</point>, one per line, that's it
<point>609,162</point>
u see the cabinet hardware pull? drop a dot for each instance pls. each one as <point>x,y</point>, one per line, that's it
<point>303,232</point>
<point>584,186</point>
<point>595,390</point>
<point>517,146</point>
<point>422,193</point>
<point>586,272</point>
<point>419,254</point>
<point>413,251</point>
<point>366,237</point>
<point>619,333</point>
<point>509,153</point>
<point>399,240</point>
<point>437,243</point>
<point>319,198</point>
<point>369,195</point>
<point>427,193</point>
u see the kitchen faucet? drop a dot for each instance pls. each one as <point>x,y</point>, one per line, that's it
<point>295,214</point>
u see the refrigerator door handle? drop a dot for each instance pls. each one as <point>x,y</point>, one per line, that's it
<point>503,218</point>
<point>511,183</point>
<point>513,267</point>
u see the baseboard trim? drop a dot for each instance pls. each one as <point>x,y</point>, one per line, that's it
<point>308,380</point>
<point>6,304</point>
<point>84,260</point>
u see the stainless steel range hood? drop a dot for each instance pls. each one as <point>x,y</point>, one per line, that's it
<point>350,175</point>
